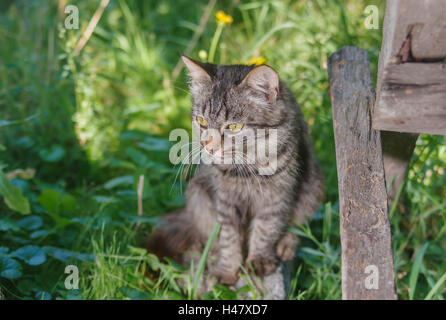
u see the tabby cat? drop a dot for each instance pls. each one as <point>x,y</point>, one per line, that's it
<point>254,209</point>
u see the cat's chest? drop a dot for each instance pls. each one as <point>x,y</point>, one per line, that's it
<point>239,189</point>
<point>242,194</point>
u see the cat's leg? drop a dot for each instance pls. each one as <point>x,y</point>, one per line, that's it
<point>227,267</point>
<point>310,197</point>
<point>286,248</point>
<point>266,229</point>
<point>200,207</point>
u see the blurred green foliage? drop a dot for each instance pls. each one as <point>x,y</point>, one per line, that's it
<point>92,124</point>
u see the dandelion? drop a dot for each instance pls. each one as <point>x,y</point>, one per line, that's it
<point>256,61</point>
<point>223,18</point>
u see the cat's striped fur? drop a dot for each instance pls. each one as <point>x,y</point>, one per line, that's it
<point>254,210</point>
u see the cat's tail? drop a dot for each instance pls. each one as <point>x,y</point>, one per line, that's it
<point>174,236</point>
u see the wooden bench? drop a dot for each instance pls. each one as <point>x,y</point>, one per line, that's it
<point>410,99</point>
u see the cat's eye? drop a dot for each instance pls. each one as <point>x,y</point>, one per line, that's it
<point>235,127</point>
<point>202,122</point>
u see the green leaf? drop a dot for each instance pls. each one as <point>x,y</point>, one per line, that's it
<point>137,219</point>
<point>67,256</point>
<point>123,180</point>
<point>53,202</point>
<point>27,286</point>
<point>68,203</point>
<point>10,268</point>
<point>127,193</point>
<point>115,163</point>
<point>39,233</point>
<point>7,224</point>
<point>134,294</point>
<point>4,251</point>
<point>43,295</point>
<point>105,199</point>
<point>49,199</point>
<point>137,157</point>
<point>24,142</point>
<point>53,154</point>
<point>32,255</point>
<point>134,250</point>
<point>74,295</point>
<point>30,223</point>
<point>223,292</point>
<point>131,135</point>
<point>13,196</point>
<point>155,144</point>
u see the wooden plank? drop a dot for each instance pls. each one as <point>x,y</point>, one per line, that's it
<point>414,30</point>
<point>412,99</point>
<point>422,20</point>
<point>397,151</point>
<point>429,40</point>
<point>365,228</point>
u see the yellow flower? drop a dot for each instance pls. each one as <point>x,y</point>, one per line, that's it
<point>256,60</point>
<point>223,17</point>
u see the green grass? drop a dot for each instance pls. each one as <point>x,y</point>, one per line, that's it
<point>91,124</point>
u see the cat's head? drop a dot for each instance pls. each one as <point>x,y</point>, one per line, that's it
<point>229,101</point>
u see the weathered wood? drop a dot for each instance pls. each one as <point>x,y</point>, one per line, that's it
<point>424,21</point>
<point>397,151</point>
<point>429,40</point>
<point>365,229</point>
<point>412,99</point>
<point>411,95</point>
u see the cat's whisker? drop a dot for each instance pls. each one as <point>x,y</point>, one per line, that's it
<point>239,156</point>
<point>196,153</point>
<point>181,89</point>
<point>182,164</point>
<point>243,172</point>
<point>190,156</point>
<point>250,167</point>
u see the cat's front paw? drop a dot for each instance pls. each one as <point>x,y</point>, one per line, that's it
<point>225,277</point>
<point>286,248</point>
<point>262,266</point>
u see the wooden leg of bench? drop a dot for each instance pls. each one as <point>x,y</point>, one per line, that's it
<point>397,152</point>
<point>367,258</point>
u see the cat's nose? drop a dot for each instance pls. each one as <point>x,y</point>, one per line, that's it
<point>207,145</point>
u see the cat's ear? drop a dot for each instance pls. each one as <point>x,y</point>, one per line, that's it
<point>264,79</point>
<point>196,71</point>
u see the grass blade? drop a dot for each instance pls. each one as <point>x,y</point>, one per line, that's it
<point>204,255</point>
<point>416,270</point>
<point>436,287</point>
